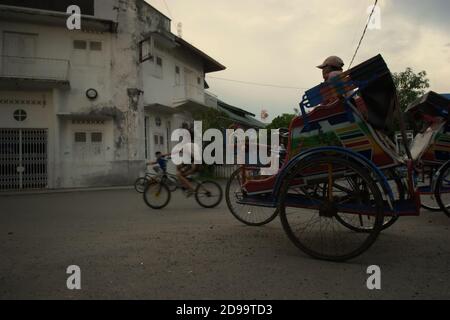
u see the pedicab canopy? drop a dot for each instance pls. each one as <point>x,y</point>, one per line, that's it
<point>371,80</point>
<point>432,104</point>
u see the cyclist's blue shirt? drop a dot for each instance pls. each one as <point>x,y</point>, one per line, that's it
<point>162,162</point>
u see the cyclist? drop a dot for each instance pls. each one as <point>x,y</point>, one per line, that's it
<point>186,170</point>
<point>161,161</point>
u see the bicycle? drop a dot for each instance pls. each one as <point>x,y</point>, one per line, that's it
<point>159,175</point>
<point>208,194</point>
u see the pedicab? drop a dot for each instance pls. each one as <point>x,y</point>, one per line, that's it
<point>342,181</point>
<point>431,114</point>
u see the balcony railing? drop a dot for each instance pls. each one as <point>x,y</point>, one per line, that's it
<point>189,92</point>
<point>34,68</point>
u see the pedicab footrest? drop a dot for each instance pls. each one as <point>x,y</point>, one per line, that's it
<point>258,201</point>
<point>401,207</point>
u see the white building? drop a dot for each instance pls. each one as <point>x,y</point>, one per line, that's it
<point>88,107</point>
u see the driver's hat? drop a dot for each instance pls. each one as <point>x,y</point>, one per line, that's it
<point>332,61</point>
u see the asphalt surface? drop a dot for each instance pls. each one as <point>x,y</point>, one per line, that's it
<point>127,251</point>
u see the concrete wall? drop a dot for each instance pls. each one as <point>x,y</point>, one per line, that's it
<point>105,9</point>
<point>119,159</point>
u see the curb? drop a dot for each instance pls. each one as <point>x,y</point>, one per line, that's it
<point>56,191</point>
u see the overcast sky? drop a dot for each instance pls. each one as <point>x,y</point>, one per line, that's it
<point>281,41</point>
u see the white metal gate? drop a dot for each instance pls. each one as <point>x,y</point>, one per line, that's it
<point>23,159</point>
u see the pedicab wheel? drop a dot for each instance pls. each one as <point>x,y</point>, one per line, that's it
<point>248,215</point>
<point>362,223</point>
<point>314,193</point>
<point>157,195</point>
<point>442,192</point>
<point>139,185</point>
<point>427,199</point>
<point>208,194</point>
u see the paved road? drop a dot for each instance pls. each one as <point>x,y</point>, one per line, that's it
<point>128,251</point>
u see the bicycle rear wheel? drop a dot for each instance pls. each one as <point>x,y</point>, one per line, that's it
<point>157,195</point>
<point>208,194</point>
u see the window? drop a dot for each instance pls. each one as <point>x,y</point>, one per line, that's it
<point>156,138</point>
<point>177,69</point>
<point>18,45</point>
<point>96,137</point>
<point>158,71</point>
<point>80,44</point>
<point>199,81</point>
<point>80,137</point>
<point>146,50</point>
<point>20,115</point>
<point>161,140</point>
<point>95,46</point>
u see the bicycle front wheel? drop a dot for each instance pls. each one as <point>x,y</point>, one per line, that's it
<point>157,195</point>
<point>208,194</point>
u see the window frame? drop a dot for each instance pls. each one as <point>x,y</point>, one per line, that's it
<point>93,133</point>
<point>85,42</point>
<point>77,133</point>
<point>149,55</point>
<point>95,42</point>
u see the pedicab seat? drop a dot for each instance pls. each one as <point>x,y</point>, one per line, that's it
<point>371,80</point>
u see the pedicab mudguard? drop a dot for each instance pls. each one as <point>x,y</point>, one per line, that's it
<point>363,161</point>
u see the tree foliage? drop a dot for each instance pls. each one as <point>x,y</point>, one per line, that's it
<point>282,121</point>
<point>410,86</point>
<point>212,119</point>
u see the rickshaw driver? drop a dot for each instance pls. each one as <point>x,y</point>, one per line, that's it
<point>331,67</point>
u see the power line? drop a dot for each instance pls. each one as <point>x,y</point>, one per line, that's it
<point>168,10</point>
<point>364,33</point>
<point>259,84</point>
<point>357,23</point>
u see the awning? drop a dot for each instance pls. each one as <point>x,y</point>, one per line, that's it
<point>84,116</point>
<point>160,108</point>
<point>246,120</point>
<point>191,106</point>
<point>209,64</point>
<point>165,39</point>
<point>14,83</point>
